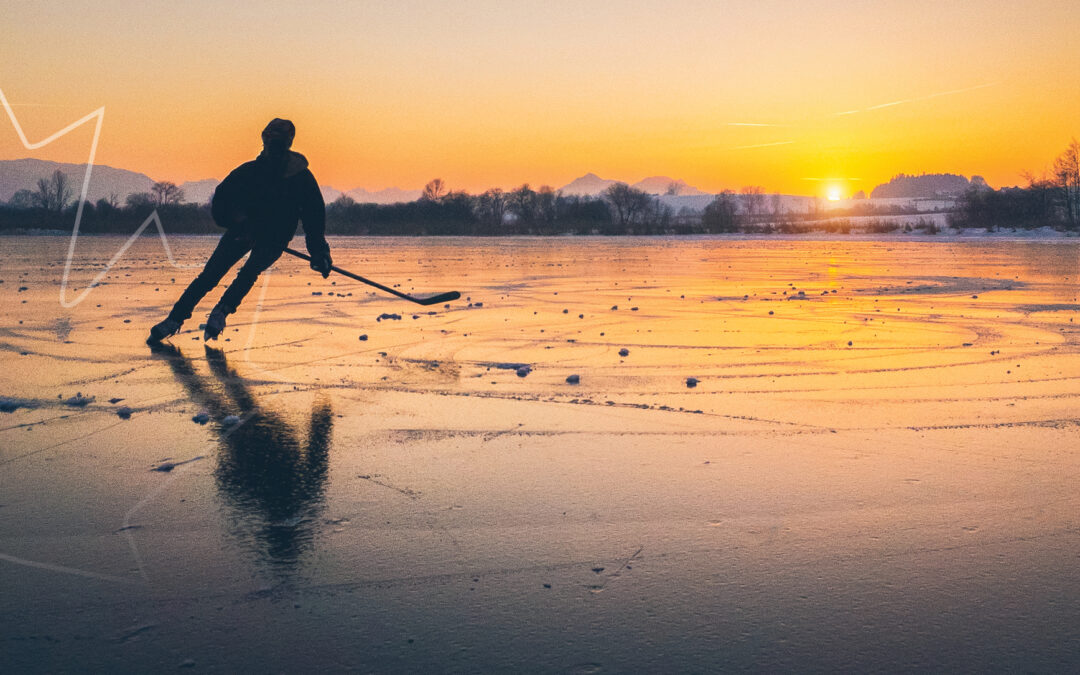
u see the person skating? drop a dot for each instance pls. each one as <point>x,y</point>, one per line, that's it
<point>259,205</point>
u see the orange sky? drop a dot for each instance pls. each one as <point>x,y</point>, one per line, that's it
<point>482,94</point>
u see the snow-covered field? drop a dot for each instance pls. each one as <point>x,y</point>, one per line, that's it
<point>875,470</point>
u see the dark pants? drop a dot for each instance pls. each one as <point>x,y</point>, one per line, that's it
<point>230,249</point>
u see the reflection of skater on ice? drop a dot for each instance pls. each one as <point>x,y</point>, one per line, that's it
<point>273,477</point>
<point>258,204</point>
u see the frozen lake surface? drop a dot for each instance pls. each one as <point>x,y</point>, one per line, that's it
<point>877,467</point>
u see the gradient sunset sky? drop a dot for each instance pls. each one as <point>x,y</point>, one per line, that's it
<point>792,95</point>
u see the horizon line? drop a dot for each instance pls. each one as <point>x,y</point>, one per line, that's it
<point>324,186</point>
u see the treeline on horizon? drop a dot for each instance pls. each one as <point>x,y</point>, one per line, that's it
<point>1049,200</point>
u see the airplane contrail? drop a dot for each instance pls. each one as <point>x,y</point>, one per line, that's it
<point>891,104</point>
<point>927,97</point>
<point>761,145</point>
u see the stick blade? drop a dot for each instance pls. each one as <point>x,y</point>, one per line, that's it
<point>440,298</point>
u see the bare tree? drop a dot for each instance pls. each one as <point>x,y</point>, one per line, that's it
<point>776,203</point>
<point>1041,191</point>
<point>1067,180</point>
<point>434,190</point>
<point>753,197</point>
<point>343,202</point>
<point>23,199</point>
<point>719,215</point>
<point>491,209</point>
<point>166,193</point>
<point>547,204</point>
<point>61,190</point>
<point>522,203</point>
<point>53,193</point>
<point>628,204</point>
<point>140,201</point>
<point>43,195</point>
<point>659,215</point>
<point>673,189</point>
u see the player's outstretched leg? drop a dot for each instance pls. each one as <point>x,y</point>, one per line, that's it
<point>215,323</point>
<point>230,248</point>
<point>166,328</point>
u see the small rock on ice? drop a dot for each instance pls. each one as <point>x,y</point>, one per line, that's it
<point>363,338</point>
<point>573,379</point>
<point>8,405</point>
<point>230,420</point>
<point>691,382</point>
<point>78,400</point>
<point>201,418</point>
<point>123,412</point>
<point>523,371</point>
<point>624,352</point>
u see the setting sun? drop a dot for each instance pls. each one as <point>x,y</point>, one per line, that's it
<point>834,194</point>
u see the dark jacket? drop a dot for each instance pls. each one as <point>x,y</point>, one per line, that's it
<point>264,200</point>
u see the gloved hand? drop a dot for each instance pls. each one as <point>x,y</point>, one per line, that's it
<point>321,262</point>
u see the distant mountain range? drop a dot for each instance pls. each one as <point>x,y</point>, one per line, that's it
<point>587,186</point>
<point>390,195</point>
<point>105,181</point>
<point>591,185</point>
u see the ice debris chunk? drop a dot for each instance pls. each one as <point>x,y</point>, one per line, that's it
<point>166,467</point>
